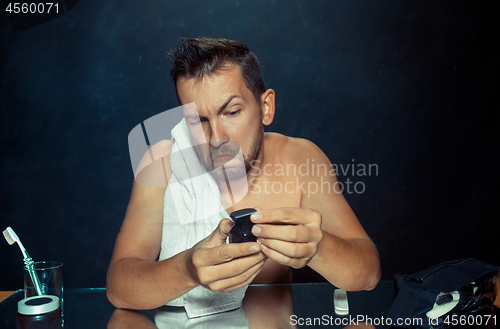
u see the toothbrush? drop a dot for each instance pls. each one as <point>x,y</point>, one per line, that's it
<point>12,237</point>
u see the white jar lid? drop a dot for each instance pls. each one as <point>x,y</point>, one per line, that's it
<point>38,305</point>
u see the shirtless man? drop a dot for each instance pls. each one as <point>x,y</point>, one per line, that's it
<point>295,227</point>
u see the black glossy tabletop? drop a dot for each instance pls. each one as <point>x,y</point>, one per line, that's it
<point>264,306</point>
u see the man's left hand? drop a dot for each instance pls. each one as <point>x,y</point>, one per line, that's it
<point>289,236</point>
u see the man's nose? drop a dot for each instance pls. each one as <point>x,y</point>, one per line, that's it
<point>217,142</point>
<point>217,135</point>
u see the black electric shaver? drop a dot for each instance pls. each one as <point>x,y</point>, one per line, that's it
<point>242,229</point>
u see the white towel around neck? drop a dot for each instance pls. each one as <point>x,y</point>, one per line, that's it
<point>191,211</point>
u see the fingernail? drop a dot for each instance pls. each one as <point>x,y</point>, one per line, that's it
<point>256,230</point>
<point>255,217</point>
<point>254,248</point>
<point>263,246</point>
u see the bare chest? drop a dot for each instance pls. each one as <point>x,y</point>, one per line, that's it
<point>269,192</point>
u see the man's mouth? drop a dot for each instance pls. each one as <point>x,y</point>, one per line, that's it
<point>222,159</point>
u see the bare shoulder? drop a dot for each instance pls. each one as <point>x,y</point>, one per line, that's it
<point>154,164</point>
<point>294,150</point>
<point>162,148</point>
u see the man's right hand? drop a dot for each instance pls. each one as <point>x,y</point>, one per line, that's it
<point>224,267</point>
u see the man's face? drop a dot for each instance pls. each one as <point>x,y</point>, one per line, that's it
<point>228,116</point>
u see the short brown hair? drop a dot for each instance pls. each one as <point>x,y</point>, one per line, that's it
<point>199,57</point>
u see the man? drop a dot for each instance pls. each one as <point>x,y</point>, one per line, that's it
<point>295,225</point>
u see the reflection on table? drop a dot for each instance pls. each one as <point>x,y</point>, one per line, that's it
<point>264,306</point>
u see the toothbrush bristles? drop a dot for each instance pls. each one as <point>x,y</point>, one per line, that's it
<point>8,237</point>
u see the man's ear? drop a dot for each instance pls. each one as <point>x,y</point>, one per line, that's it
<point>267,106</point>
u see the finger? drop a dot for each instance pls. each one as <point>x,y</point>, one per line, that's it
<point>222,230</point>
<point>285,216</point>
<point>288,249</point>
<point>233,268</point>
<point>249,280</point>
<point>228,252</point>
<point>238,281</point>
<point>207,275</point>
<point>283,259</point>
<point>292,233</point>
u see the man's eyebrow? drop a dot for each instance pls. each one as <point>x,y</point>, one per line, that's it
<point>230,98</point>
<point>221,108</point>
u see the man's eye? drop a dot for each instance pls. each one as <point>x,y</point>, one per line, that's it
<point>234,113</point>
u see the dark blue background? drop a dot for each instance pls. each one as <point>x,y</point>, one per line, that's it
<point>411,86</point>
